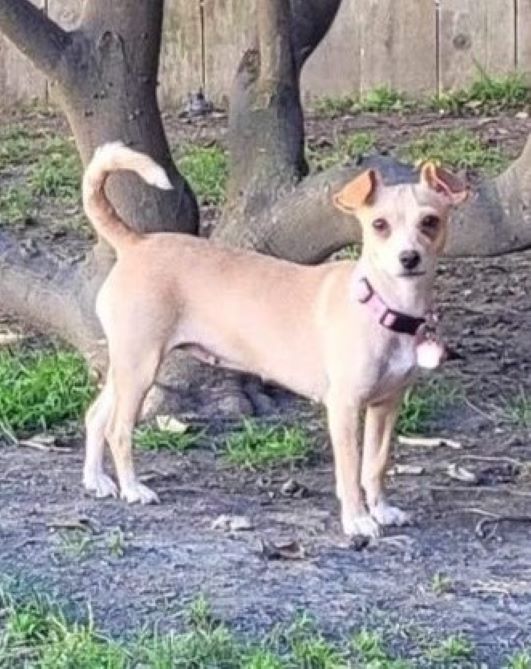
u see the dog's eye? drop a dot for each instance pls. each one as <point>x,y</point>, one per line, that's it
<point>380,225</point>
<point>429,224</point>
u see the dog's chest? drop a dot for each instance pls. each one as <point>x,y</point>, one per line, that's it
<point>397,365</point>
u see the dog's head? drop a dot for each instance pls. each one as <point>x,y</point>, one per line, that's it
<point>404,226</point>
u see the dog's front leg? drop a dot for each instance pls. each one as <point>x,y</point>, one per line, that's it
<point>343,423</point>
<point>380,420</point>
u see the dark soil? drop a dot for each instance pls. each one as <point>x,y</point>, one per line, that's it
<point>170,552</point>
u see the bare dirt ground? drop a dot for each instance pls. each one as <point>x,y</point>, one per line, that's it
<point>453,571</point>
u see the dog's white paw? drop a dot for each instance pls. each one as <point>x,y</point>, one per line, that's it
<point>139,493</point>
<point>385,514</point>
<point>360,524</point>
<point>100,484</point>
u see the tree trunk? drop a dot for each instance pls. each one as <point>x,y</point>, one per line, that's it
<point>104,75</point>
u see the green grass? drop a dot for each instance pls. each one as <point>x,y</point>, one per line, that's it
<point>49,166</point>
<point>16,204</point>
<point>150,438</point>
<point>441,584</point>
<point>451,650</point>
<point>347,147</point>
<point>41,389</point>
<point>255,446</point>
<point>37,634</point>
<point>520,660</point>
<point>517,410</point>
<point>17,146</point>
<point>382,99</point>
<point>423,403</point>
<point>206,169</point>
<point>486,95</point>
<point>370,651</point>
<point>457,148</point>
<point>57,171</point>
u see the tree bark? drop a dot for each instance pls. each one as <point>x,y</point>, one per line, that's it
<point>104,75</point>
<point>266,124</point>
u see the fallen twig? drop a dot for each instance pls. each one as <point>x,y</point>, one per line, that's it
<point>493,458</point>
<point>429,442</point>
<point>38,445</point>
<point>485,522</point>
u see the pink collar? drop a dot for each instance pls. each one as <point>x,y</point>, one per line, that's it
<point>387,317</point>
<point>430,351</point>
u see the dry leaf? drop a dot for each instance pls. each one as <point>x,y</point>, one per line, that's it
<point>230,523</point>
<point>171,424</point>
<point>402,470</point>
<point>461,474</point>
<point>292,488</point>
<point>291,550</point>
<point>9,338</point>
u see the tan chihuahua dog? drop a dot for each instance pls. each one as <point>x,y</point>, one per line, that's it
<point>344,333</point>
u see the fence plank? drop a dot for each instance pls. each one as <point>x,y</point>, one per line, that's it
<point>523,52</point>
<point>397,44</point>
<point>20,81</point>
<point>180,69</point>
<point>334,67</point>
<point>475,36</point>
<point>229,26</point>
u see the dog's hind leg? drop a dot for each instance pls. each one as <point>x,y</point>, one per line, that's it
<point>380,420</point>
<point>131,382</point>
<point>94,478</point>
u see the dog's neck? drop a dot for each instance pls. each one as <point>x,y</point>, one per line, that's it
<point>412,296</point>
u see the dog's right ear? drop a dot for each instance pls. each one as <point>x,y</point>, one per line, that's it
<point>357,192</point>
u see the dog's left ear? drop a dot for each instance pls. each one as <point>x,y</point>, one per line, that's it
<point>444,182</point>
<point>357,192</point>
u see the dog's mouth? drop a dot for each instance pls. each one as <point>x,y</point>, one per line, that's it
<point>412,273</point>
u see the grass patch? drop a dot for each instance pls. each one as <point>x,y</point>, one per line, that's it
<point>41,389</point>
<point>370,651</point>
<point>50,167</point>
<point>441,584</point>
<point>347,147</point>
<point>17,146</point>
<point>151,438</point>
<point>517,410</point>
<point>16,204</point>
<point>451,650</point>
<point>382,99</point>
<point>521,660</point>
<point>422,404</point>
<point>36,633</point>
<point>457,148</point>
<point>256,446</point>
<point>486,95</point>
<point>57,171</point>
<point>206,169</point>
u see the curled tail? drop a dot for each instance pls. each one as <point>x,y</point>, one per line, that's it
<point>109,158</point>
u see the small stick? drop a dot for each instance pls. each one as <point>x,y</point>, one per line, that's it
<point>480,527</point>
<point>493,458</point>
<point>44,447</point>
<point>429,442</point>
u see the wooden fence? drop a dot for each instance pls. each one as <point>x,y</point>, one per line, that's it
<point>416,46</point>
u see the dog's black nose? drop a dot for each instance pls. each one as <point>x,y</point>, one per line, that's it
<point>409,259</point>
